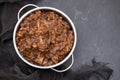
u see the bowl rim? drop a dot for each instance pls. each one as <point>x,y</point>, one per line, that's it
<point>44,8</point>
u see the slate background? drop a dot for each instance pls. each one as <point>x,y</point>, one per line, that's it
<point>97,23</point>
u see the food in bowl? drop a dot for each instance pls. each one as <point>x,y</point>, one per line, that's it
<point>44,38</point>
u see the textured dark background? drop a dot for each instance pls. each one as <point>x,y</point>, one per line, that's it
<point>97,23</point>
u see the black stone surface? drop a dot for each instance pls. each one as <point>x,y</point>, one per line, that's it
<point>98,27</point>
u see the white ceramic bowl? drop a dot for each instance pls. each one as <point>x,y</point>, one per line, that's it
<point>44,8</point>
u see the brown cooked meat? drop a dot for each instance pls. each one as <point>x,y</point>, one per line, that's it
<point>44,38</point>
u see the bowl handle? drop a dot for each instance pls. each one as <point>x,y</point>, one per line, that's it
<point>18,15</point>
<point>66,68</point>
